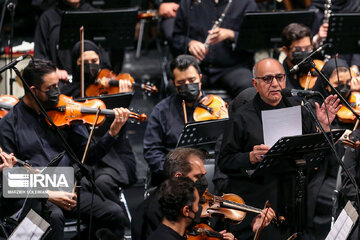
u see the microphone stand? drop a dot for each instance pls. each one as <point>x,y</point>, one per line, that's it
<point>82,169</point>
<point>341,163</point>
<point>11,7</point>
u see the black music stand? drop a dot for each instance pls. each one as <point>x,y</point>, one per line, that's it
<point>295,154</point>
<point>344,33</point>
<point>107,4</point>
<point>262,30</point>
<point>202,134</point>
<point>111,101</point>
<point>108,28</point>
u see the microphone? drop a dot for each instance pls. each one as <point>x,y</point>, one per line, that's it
<point>286,92</point>
<point>13,63</point>
<point>297,66</point>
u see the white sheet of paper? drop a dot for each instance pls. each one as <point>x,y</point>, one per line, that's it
<point>344,223</point>
<point>279,123</point>
<point>32,227</point>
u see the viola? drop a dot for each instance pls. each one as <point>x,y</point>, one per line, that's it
<point>211,107</point>
<point>68,111</point>
<point>98,88</point>
<point>314,75</point>
<point>230,206</point>
<point>6,103</point>
<point>203,232</point>
<point>344,114</point>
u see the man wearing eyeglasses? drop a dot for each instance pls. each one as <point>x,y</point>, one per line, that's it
<point>243,145</point>
<point>296,45</point>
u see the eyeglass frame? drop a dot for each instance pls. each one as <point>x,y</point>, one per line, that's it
<point>308,48</point>
<point>283,76</point>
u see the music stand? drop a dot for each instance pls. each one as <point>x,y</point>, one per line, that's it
<point>202,134</point>
<point>262,30</point>
<point>109,28</point>
<point>106,4</point>
<point>111,101</point>
<point>344,33</point>
<point>296,153</point>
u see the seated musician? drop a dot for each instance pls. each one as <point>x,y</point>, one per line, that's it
<point>118,167</point>
<point>297,45</point>
<point>348,191</point>
<point>243,143</point>
<point>167,118</point>
<point>47,35</point>
<point>180,162</point>
<point>179,201</point>
<point>321,27</point>
<point>221,65</point>
<point>92,64</point>
<point>324,182</point>
<point>25,133</point>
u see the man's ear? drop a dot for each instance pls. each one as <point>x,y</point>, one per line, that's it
<point>285,50</point>
<point>186,211</point>
<point>178,174</point>
<point>32,89</point>
<point>254,83</point>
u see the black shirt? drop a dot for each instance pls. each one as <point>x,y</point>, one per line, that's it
<point>243,131</point>
<point>164,232</point>
<point>47,35</point>
<point>163,130</point>
<point>26,134</point>
<point>193,21</point>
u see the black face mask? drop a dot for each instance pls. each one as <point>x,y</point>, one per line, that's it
<point>201,185</point>
<point>196,220</point>
<point>298,56</point>
<point>52,98</point>
<point>344,90</point>
<point>188,92</point>
<point>91,71</point>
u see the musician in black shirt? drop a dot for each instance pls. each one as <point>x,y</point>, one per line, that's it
<point>220,63</point>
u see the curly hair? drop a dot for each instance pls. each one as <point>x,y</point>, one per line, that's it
<point>174,195</point>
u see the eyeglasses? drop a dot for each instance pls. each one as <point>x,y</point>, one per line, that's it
<point>302,49</point>
<point>269,78</point>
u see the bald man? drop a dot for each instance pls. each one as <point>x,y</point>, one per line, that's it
<point>243,144</point>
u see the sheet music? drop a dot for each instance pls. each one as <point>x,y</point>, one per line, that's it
<point>344,223</point>
<point>279,123</point>
<point>32,227</point>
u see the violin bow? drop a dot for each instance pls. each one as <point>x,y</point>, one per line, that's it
<point>82,83</point>
<point>308,78</point>
<point>184,110</point>
<point>258,231</point>
<point>88,141</point>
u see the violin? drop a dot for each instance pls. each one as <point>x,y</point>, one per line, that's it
<point>6,103</point>
<point>98,88</point>
<point>203,232</point>
<point>230,206</point>
<point>344,114</point>
<point>314,75</point>
<point>68,111</point>
<point>211,107</point>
